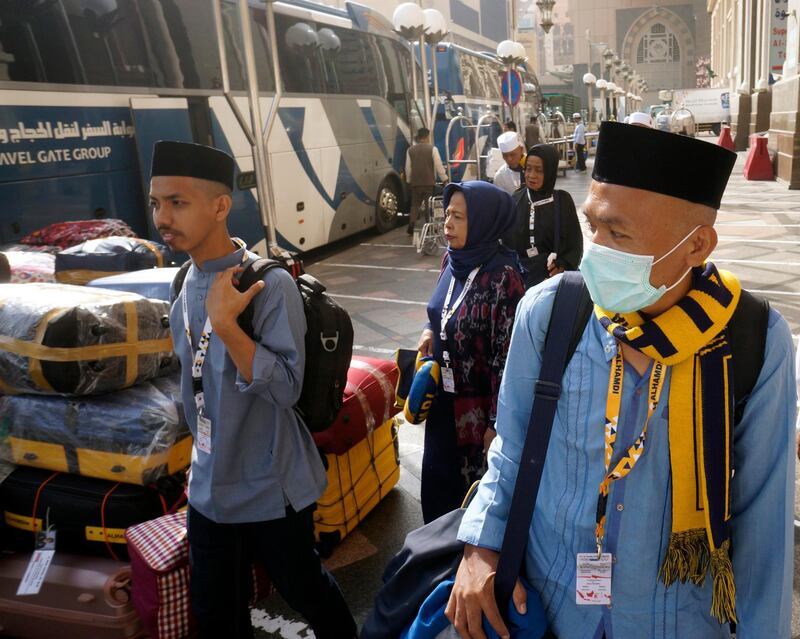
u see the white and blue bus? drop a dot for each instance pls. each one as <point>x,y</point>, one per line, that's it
<point>469,84</point>
<point>87,87</point>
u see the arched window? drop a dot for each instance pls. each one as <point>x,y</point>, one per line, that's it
<point>658,45</point>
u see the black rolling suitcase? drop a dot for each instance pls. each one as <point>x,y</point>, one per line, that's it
<point>89,515</point>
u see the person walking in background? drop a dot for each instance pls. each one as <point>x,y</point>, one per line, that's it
<point>546,233</point>
<point>532,133</point>
<point>470,314</point>
<point>509,176</point>
<point>423,167</point>
<point>579,143</point>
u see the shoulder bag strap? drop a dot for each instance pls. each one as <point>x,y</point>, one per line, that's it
<point>547,391</point>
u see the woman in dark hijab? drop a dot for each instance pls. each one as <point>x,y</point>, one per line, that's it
<point>474,301</point>
<point>546,233</point>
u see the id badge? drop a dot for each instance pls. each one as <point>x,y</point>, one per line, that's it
<point>533,251</point>
<point>448,380</point>
<point>203,434</point>
<point>39,563</point>
<point>593,579</point>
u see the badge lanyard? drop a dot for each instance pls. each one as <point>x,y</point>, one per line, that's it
<point>531,218</point>
<point>626,464</point>
<point>203,424</point>
<point>447,314</point>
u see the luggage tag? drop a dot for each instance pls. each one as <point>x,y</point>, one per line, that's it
<point>40,561</point>
<point>203,433</point>
<point>532,251</point>
<point>593,579</point>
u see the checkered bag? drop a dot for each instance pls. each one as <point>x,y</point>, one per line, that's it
<point>159,554</point>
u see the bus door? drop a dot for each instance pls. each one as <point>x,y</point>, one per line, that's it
<point>157,119</point>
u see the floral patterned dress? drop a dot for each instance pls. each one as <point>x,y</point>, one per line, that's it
<point>478,334</point>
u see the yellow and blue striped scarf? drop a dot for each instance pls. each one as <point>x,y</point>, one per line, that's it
<point>692,338</point>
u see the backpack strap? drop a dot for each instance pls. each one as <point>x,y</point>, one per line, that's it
<point>252,273</point>
<point>557,222</point>
<point>747,333</point>
<point>177,282</point>
<point>547,391</point>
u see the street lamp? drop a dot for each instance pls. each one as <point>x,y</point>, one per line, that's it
<point>601,85</point>
<point>612,105</point>
<point>409,21</point>
<point>510,53</point>
<point>546,14</point>
<point>608,57</point>
<point>589,80</point>
<point>435,30</point>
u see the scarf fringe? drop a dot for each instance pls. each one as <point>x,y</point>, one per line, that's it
<point>688,559</point>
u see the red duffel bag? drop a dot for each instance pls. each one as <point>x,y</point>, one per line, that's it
<point>368,403</point>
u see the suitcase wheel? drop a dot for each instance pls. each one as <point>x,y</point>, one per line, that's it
<point>98,330</point>
<point>165,321</point>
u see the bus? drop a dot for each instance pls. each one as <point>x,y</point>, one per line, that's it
<point>88,86</point>
<point>469,85</point>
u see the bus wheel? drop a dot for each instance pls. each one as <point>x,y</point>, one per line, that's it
<point>386,206</point>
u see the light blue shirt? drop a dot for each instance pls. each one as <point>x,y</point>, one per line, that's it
<point>579,137</point>
<point>639,514</point>
<point>262,455</point>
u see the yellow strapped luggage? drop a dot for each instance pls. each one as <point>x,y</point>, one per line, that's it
<point>357,481</point>
<point>62,339</point>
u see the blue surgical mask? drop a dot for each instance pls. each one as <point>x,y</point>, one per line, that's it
<point>619,281</point>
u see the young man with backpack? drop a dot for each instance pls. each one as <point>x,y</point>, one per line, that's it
<point>666,499</point>
<point>256,473</point>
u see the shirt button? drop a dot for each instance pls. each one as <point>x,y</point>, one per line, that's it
<point>620,507</point>
<point>609,348</point>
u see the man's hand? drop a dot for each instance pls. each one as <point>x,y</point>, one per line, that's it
<point>425,344</point>
<point>488,438</point>
<point>554,269</point>
<point>225,303</point>
<point>472,596</point>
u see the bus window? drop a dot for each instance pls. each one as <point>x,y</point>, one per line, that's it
<point>237,70</point>
<point>355,66</point>
<point>392,56</point>
<point>299,57</point>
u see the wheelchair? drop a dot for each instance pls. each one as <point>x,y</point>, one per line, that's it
<point>429,238</point>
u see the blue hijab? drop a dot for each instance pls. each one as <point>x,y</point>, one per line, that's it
<point>490,215</point>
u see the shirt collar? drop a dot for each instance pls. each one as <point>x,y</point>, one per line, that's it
<point>219,264</point>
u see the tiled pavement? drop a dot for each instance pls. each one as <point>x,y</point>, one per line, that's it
<point>385,285</point>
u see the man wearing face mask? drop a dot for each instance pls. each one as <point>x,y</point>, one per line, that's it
<point>658,477</point>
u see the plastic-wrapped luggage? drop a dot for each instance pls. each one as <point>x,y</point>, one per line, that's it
<point>24,267</point>
<point>81,598</point>
<point>153,282</point>
<point>89,515</point>
<point>159,552</point>
<point>135,436</point>
<point>357,481</point>
<point>56,338</point>
<point>66,234</point>
<point>108,256</point>
<point>368,402</point>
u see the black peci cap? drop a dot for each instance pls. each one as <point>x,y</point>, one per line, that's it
<point>192,160</point>
<point>667,163</point>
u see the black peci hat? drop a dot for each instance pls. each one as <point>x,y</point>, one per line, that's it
<point>192,160</point>
<point>667,163</point>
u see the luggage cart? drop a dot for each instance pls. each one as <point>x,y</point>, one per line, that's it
<point>429,239</point>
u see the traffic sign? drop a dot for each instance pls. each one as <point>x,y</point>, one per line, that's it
<point>516,87</point>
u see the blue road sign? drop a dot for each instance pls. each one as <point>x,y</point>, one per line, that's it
<point>516,87</point>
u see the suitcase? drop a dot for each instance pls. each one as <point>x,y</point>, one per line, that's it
<point>25,267</point>
<point>153,282</point>
<point>67,234</point>
<point>61,339</point>
<point>135,436</point>
<point>81,598</point>
<point>89,515</point>
<point>159,552</point>
<point>357,481</point>
<point>108,256</point>
<point>369,400</point>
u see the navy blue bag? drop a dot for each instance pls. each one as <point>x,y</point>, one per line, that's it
<point>431,554</point>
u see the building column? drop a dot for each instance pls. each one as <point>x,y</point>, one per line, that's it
<point>784,132</point>
<point>762,96</point>
<point>741,102</point>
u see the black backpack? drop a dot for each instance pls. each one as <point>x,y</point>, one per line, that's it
<point>329,342</point>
